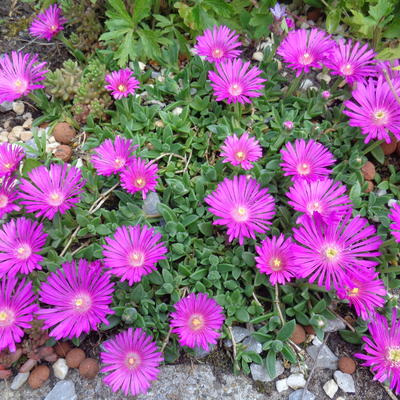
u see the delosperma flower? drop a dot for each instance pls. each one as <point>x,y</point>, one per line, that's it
<point>78,297</point>
<point>140,176</point>
<point>374,109</point>
<point>242,206</point>
<point>51,190</point>
<point>241,151</point>
<point>289,125</point>
<point>383,350</point>
<point>306,159</point>
<point>353,61</point>
<point>326,94</point>
<point>10,158</point>
<point>218,44</point>
<point>21,241</point>
<point>16,311</point>
<point>276,259</point>
<point>131,360</point>
<point>235,82</point>
<point>19,75</point>
<point>303,49</point>
<point>390,67</point>
<point>329,252</point>
<point>394,217</point>
<point>121,83</point>
<point>48,23</point>
<point>197,320</point>
<point>133,252</point>
<point>8,196</point>
<point>113,156</point>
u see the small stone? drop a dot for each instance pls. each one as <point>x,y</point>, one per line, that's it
<point>18,107</point>
<point>251,344</point>
<point>28,365</point>
<point>259,373</point>
<point>344,381</point>
<point>27,116</point>
<point>306,84</point>
<point>89,368</point>
<point>281,385</point>
<point>142,66</point>
<point>389,148</point>
<point>63,152</point>
<point>19,380</point>
<point>298,395</point>
<point>64,133</point>
<point>193,91</point>
<point>39,376</point>
<point>3,136</point>
<point>330,388</point>
<point>239,334</point>
<point>340,398</point>
<point>317,341</point>
<point>334,325</point>
<point>17,131</point>
<point>368,170</point>
<point>298,335</point>
<point>258,56</point>
<point>370,187</point>
<point>347,365</point>
<point>177,111</point>
<point>28,123</point>
<point>324,77</point>
<point>75,357</point>
<point>6,106</point>
<point>63,390</point>
<point>26,135</point>
<point>304,25</point>
<point>150,205</point>
<point>380,193</point>
<point>60,368</point>
<point>201,353</point>
<point>326,358</point>
<point>51,147</point>
<point>296,381</point>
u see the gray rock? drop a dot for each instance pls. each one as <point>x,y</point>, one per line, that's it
<point>251,344</point>
<point>193,91</point>
<point>6,106</point>
<point>334,325</point>
<point>64,390</point>
<point>60,368</point>
<point>330,388</point>
<point>296,381</point>
<point>18,107</point>
<point>306,84</point>
<point>239,334</point>
<point>298,395</point>
<point>259,373</point>
<point>326,358</point>
<point>344,381</point>
<point>19,380</point>
<point>150,205</point>
<point>201,353</point>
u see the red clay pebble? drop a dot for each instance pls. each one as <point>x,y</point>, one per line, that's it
<point>370,187</point>
<point>389,148</point>
<point>38,376</point>
<point>298,335</point>
<point>62,348</point>
<point>28,365</point>
<point>368,170</point>
<point>63,152</point>
<point>75,357</point>
<point>309,330</point>
<point>64,133</point>
<point>347,365</point>
<point>89,368</point>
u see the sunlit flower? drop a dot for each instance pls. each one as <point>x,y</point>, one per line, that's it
<point>48,23</point>
<point>10,158</point>
<point>394,216</point>
<point>121,83</point>
<point>8,196</point>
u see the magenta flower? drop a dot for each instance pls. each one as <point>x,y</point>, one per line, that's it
<point>140,176</point>
<point>79,297</point>
<point>306,160</point>
<point>19,75</point>
<point>324,198</point>
<point>48,23</point>
<point>16,311</point>
<point>289,125</point>
<point>276,259</point>
<point>21,241</point>
<point>391,67</point>
<point>10,158</point>
<point>218,44</point>
<point>329,252</point>
<point>383,350</point>
<point>197,320</point>
<point>52,190</point>
<point>8,196</point>
<point>121,83</point>
<point>374,109</point>
<point>352,61</point>
<point>241,151</point>
<point>112,156</point>
<point>394,216</point>
<point>303,50</point>
<point>290,23</point>
<point>242,206</point>
<point>133,252</point>
<point>235,82</point>
<point>364,292</point>
<point>326,94</point>
<point>131,361</point>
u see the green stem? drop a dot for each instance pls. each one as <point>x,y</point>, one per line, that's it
<point>237,108</point>
<point>389,270</point>
<point>278,304</point>
<point>335,85</point>
<point>309,286</point>
<point>71,48</point>
<point>294,85</point>
<point>372,147</point>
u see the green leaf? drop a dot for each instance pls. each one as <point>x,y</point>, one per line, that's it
<point>381,10</point>
<point>270,363</point>
<point>242,315</point>
<point>119,7</point>
<point>286,331</point>
<point>289,354</point>
<point>29,165</point>
<point>379,155</point>
<point>333,19</point>
<point>141,10</point>
<point>321,305</point>
<point>351,337</point>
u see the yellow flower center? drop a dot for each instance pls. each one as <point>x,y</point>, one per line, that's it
<point>380,117</point>
<point>303,169</point>
<point>353,292</point>
<point>55,199</point>
<point>3,316</point>
<point>82,302</point>
<point>331,253</point>
<point>394,356</point>
<point>276,264</point>
<point>6,318</point>
<point>133,360</point>
<point>217,53</point>
<point>122,88</point>
<point>240,156</point>
<point>196,322</point>
<point>53,28</point>
<point>140,183</point>
<point>240,214</point>
<point>8,165</point>
<point>78,302</point>
<point>20,86</point>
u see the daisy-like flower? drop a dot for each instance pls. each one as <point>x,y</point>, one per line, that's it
<point>289,125</point>
<point>218,44</point>
<point>140,176</point>
<point>391,67</point>
<point>131,361</point>
<point>133,252</point>
<point>329,252</point>
<point>19,75</point>
<point>52,190</point>
<point>383,350</point>
<point>236,82</point>
<point>394,216</point>
<point>241,151</point>
<point>278,11</point>
<point>8,196</point>
<point>121,83</point>
<point>374,109</point>
<point>10,157</point>
<point>48,23</point>
<point>79,298</point>
<point>324,198</point>
<point>112,156</point>
<point>21,241</point>
<point>307,160</point>
<point>365,292</point>
<point>276,259</point>
<point>16,311</point>
<point>197,320</point>
<point>242,206</point>
<point>352,61</point>
<point>303,49</point>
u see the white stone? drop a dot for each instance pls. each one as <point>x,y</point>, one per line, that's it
<point>63,390</point>
<point>340,398</point>
<point>344,381</point>
<point>282,385</point>
<point>51,147</point>
<point>79,163</point>
<point>330,388</point>
<point>142,66</point>
<point>26,135</point>
<point>334,325</point>
<point>19,380</point>
<point>306,84</point>
<point>258,56</point>
<point>60,368</point>
<point>324,77</point>
<point>18,107</point>
<point>27,115</point>
<point>28,123</point>
<point>304,25</point>
<point>51,139</point>
<point>251,344</point>
<point>316,341</point>
<point>296,381</point>
<point>381,192</point>
<point>177,111</point>
<point>16,131</point>
<point>298,395</point>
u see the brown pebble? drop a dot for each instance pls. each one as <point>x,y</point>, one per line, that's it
<point>45,351</point>
<point>309,330</point>
<point>89,368</point>
<point>298,335</point>
<point>64,133</point>
<point>75,357</point>
<point>5,373</point>
<point>28,365</point>
<point>313,14</point>
<point>389,148</point>
<point>370,187</point>
<point>38,376</point>
<point>347,365</point>
<point>62,348</point>
<point>63,152</point>
<point>368,170</point>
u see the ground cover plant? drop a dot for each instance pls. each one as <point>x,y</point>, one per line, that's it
<point>206,190</point>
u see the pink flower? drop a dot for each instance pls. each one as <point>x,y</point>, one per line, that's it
<point>48,23</point>
<point>10,158</point>
<point>276,259</point>
<point>16,311</point>
<point>21,241</point>
<point>8,196</point>
<point>218,44</point>
<point>243,151</point>
<point>197,320</point>
<point>242,206</point>
<point>289,125</point>
<point>235,82</point>
<point>131,361</point>
<point>140,177</point>
<point>326,94</point>
<point>306,160</point>
<point>19,75</point>
<point>121,83</point>
<point>133,252</point>
<point>391,67</point>
<point>112,157</point>
<point>79,296</point>
<point>290,23</point>
<point>394,216</point>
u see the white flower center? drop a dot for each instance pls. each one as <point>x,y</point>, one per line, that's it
<point>122,88</point>
<point>380,117</point>
<point>133,360</point>
<point>20,85</point>
<point>314,206</point>
<point>119,162</point>
<point>240,156</point>
<point>7,317</point>
<point>3,200</point>
<point>140,183</point>
<point>306,59</point>
<point>23,251</point>
<point>53,28</point>
<point>276,264</point>
<point>303,169</point>
<point>393,356</point>
<point>240,214</point>
<point>235,90</point>
<point>136,259</point>
<point>217,53</point>
<point>332,253</point>
<point>196,322</point>
<point>82,303</point>
<point>347,69</point>
<point>56,199</point>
